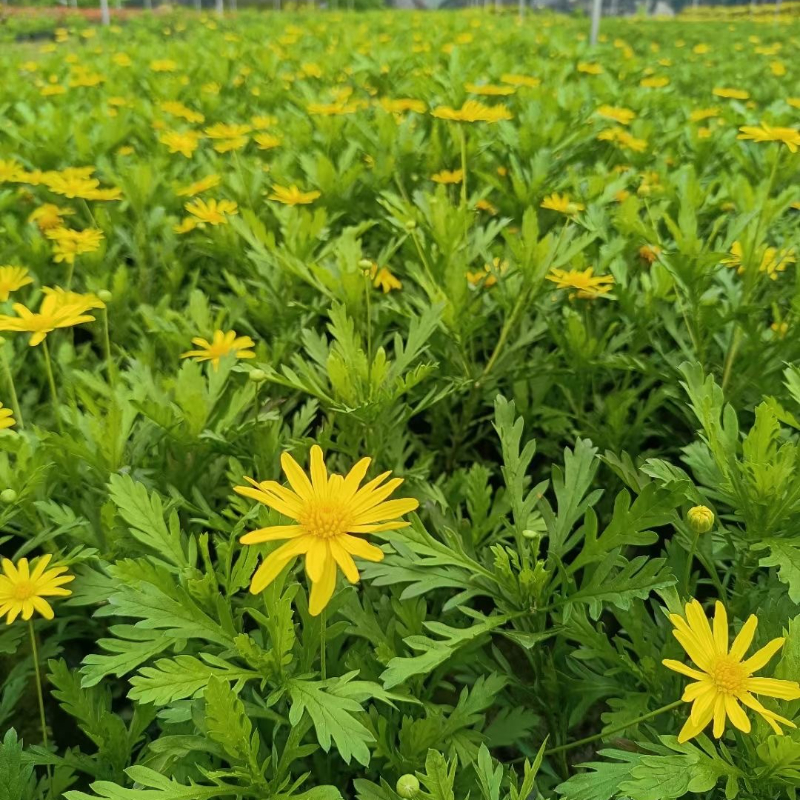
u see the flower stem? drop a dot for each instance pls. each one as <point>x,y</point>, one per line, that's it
<point>463,137</point>
<point>619,728</point>
<point>11,388</point>
<point>107,345</point>
<point>323,635</point>
<point>688,575</point>
<point>40,695</point>
<point>51,380</point>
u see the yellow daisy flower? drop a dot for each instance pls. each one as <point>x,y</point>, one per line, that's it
<point>11,279</point>
<point>6,418</point>
<point>292,196</point>
<point>329,510</point>
<point>562,204</point>
<point>49,317</point>
<point>587,286</point>
<point>222,344</point>
<point>22,589</point>
<point>723,679</point>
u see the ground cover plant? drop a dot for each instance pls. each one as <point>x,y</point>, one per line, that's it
<point>400,406</point>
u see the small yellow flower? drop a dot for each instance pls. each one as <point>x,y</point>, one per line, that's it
<point>489,89</point>
<point>68,244</point>
<point>562,204</point>
<point>485,205</point>
<point>654,82</point>
<point>263,122</point>
<point>11,279</point>
<point>731,94</point>
<point>766,133</point>
<point>649,252</point>
<point>780,329</point>
<point>76,301</point>
<point>224,131</point>
<point>222,344</point>
<point>163,65</point>
<point>331,513</point>
<point>529,81</point>
<point>266,141</point>
<point>178,109</point>
<point>203,185</point>
<point>183,142</point>
<point>6,419</point>
<point>212,212</point>
<point>589,69</point>
<point>473,111</point>
<point>448,176</point>
<point>402,105</point>
<point>49,317</point>
<point>337,109</point>
<point>700,114</point>
<point>383,279</point>
<point>585,284</point>
<point>292,196</point>
<point>624,116</point>
<point>723,680</point>
<point>22,589</point>
<point>488,275</point>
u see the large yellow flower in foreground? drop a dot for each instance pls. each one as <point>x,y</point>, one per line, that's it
<point>222,344</point>
<point>767,133</point>
<point>331,513</point>
<point>22,590</point>
<point>723,680</point>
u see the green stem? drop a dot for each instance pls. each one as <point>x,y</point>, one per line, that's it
<point>107,344</point>
<point>367,293</point>
<point>618,729</point>
<point>688,576</point>
<point>51,380</point>
<point>70,273</point>
<point>323,636</point>
<point>12,390</point>
<point>40,695</point>
<point>463,138</point>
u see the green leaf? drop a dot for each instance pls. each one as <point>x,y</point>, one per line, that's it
<point>144,514</point>
<point>183,677</point>
<point>16,776</point>
<point>333,716</point>
<point>439,776</point>
<point>226,721</point>
<point>604,779</point>
<point>156,787</point>
<point>786,557</point>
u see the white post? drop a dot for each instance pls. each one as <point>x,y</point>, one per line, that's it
<point>597,11</point>
<point>198,4</point>
<point>148,4</point>
<point>104,15</point>
<point>220,7</point>
<point>521,8</point>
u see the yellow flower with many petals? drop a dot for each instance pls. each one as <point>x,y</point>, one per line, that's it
<point>473,111</point>
<point>6,418</point>
<point>183,142</point>
<point>11,279</point>
<point>212,212</point>
<point>723,679</point>
<point>585,285</point>
<point>163,65</point>
<point>448,176</point>
<point>731,94</point>
<point>383,279</point>
<point>222,343</point>
<point>68,243</point>
<point>292,196</point>
<point>700,114</point>
<point>332,512</point>
<point>203,185</point>
<point>225,131</point>
<point>654,82</point>
<point>562,204</point>
<point>624,116</point>
<point>521,80</point>
<point>402,105</point>
<point>74,300</point>
<point>767,133</point>
<point>178,109</point>
<point>589,69</point>
<point>49,216</point>
<point>23,588</point>
<point>49,317</point>
<point>267,141</point>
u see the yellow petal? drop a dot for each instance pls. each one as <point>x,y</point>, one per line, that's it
<point>692,729</point>
<point>701,657</point>
<point>275,562</point>
<point>298,479</point>
<point>344,560</point>
<point>762,656</point>
<point>677,666</point>
<point>703,703</point>
<point>272,533</point>
<point>387,510</point>
<point>322,590</point>
<point>720,628</point>
<point>355,476</point>
<point>360,549</point>
<point>319,473</point>
<point>719,716</point>
<point>317,558</point>
<point>43,607</point>
<point>744,638</point>
<point>695,690</point>
<point>698,622</point>
<point>736,714</point>
<point>773,687</point>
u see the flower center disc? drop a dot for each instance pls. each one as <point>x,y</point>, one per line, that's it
<point>22,590</point>
<point>728,675</point>
<point>325,520</point>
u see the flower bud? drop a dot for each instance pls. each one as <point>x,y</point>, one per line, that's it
<point>407,786</point>
<point>105,295</point>
<point>8,496</point>
<point>257,375</point>
<point>410,225</point>
<point>365,263</point>
<point>701,519</point>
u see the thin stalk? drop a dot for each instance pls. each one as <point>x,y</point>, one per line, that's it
<point>323,636</point>
<point>368,293</point>
<point>112,373</point>
<point>51,380</point>
<point>688,576</point>
<point>618,729</point>
<point>11,388</point>
<point>463,138</point>
<point>39,693</point>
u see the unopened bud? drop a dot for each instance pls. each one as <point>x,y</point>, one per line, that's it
<point>701,519</point>
<point>257,375</point>
<point>407,786</point>
<point>8,496</point>
<point>105,295</point>
<point>410,225</point>
<point>365,263</point>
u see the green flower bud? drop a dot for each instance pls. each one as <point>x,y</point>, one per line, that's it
<point>365,263</point>
<point>257,375</point>
<point>407,786</point>
<point>8,496</point>
<point>410,225</point>
<point>701,519</point>
<point>105,295</point>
